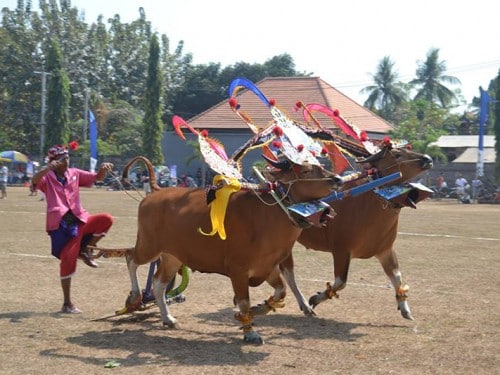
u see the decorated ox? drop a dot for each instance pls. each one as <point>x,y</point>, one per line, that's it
<point>376,222</point>
<point>365,226</point>
<point>374,217</point>
<point>256,232</point>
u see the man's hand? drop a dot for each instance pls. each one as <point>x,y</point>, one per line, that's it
<point>107,166</point>
<point>103,170</point>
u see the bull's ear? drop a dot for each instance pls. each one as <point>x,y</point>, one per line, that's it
<point>283,165</point>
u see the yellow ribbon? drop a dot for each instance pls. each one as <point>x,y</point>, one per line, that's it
<point>219,204</point>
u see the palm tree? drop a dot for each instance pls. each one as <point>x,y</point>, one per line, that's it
<point>387,92</point>
<point>430,78</point>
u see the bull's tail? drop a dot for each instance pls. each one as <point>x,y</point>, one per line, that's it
<point>110,253</point>
<point>149,167</point>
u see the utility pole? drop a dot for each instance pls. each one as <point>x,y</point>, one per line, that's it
<point>86,114</point>
<point>42,114</point>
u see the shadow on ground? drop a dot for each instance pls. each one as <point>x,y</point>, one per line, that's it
<point>148,343</point>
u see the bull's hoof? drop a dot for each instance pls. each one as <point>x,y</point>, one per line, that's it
<point>315,300</point>
<point>407,315</point>
<point>308,310</point>
<point>405,310</point>
<point>171,325</point>
<point>253,337</point>
<point>260,309</point>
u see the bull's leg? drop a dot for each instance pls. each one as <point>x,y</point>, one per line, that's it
<point>277,300</point>
<point>389,262</point>
<point>245,316</point>
<point>341,264</point>
<point>134,298</point>
<point>165,273</point>
<point>287,269</point>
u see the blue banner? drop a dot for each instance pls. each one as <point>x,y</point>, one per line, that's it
<point>483,116</point>
<point>93,141</point>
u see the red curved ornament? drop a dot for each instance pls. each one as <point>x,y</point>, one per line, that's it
<point>177,122</point>
<point>216,146</point>
<point>338,121</point>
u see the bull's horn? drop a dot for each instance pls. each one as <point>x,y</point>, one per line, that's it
<point>283,165</point>
<point>373,157</point>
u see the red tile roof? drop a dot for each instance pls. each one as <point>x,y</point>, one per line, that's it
<point>287,91</point>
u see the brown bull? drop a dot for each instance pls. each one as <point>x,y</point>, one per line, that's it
<point>365,226</point>
<point>260,235</point>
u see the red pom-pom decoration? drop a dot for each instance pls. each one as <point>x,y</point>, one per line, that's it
<point>386,140</point>
<point>408,146</point>
<point>272,102</point>
<point>336,112</point>
<point>298,105</point>
<point>324,151</point>
<point>204,133</point>
<point>233,102</point>
<point>300,148</point>
<point>277,144</point>
<point>363,136</point>
<point>278,131</point>
<point>73,145</point>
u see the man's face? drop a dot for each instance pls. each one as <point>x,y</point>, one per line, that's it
<point>62,163</point>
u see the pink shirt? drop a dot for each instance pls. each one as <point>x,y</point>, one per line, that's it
<point>62,198</point>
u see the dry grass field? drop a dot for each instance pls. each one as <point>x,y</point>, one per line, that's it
<point>449,255</point>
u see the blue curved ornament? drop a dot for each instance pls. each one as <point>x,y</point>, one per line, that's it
<point>246,83</point>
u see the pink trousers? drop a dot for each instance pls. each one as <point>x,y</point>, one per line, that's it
<point>97,225</point>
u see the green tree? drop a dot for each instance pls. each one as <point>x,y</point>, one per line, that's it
<point>58,99</point>
<point>129,60</point>
<point>387,93</point>
<point>431,80</point>
<point>20,87</point>
<point>153,126</point>
<point>420,123</point>
<point>201,89</point>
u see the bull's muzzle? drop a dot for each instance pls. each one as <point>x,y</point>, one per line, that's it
<point>426,162</point>
<point>336,181</point>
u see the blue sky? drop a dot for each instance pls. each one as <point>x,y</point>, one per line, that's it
<point>340,41</point>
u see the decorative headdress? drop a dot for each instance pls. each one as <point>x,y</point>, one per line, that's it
<point>213,151</point>
<point>58,152</point>
<point>282,138</point>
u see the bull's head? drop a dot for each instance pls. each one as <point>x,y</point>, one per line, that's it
<point>390,160</point>
<point>304,182</point>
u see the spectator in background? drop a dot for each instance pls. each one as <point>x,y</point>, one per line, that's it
<point>144,176</point>
<point>477,185</point>
<point>440,182</point>
<point>460,184</point>
<point>4,178</point>
<point>199,177</point>
<point>188,181</point>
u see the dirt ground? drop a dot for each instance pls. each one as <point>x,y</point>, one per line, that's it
<point>449,254</point>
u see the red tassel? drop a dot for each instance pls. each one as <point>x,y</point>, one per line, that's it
<point>277,144</point>
<point>204,133</point>
<point>363,136</point>
<point>233,102</point>
<point>298,105</point>
<point>73,145</point>
<point>300,148</point>
<point>278,131</point>
<point>336,112</point>
<point>272,102</point>
<point>408,146</point>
